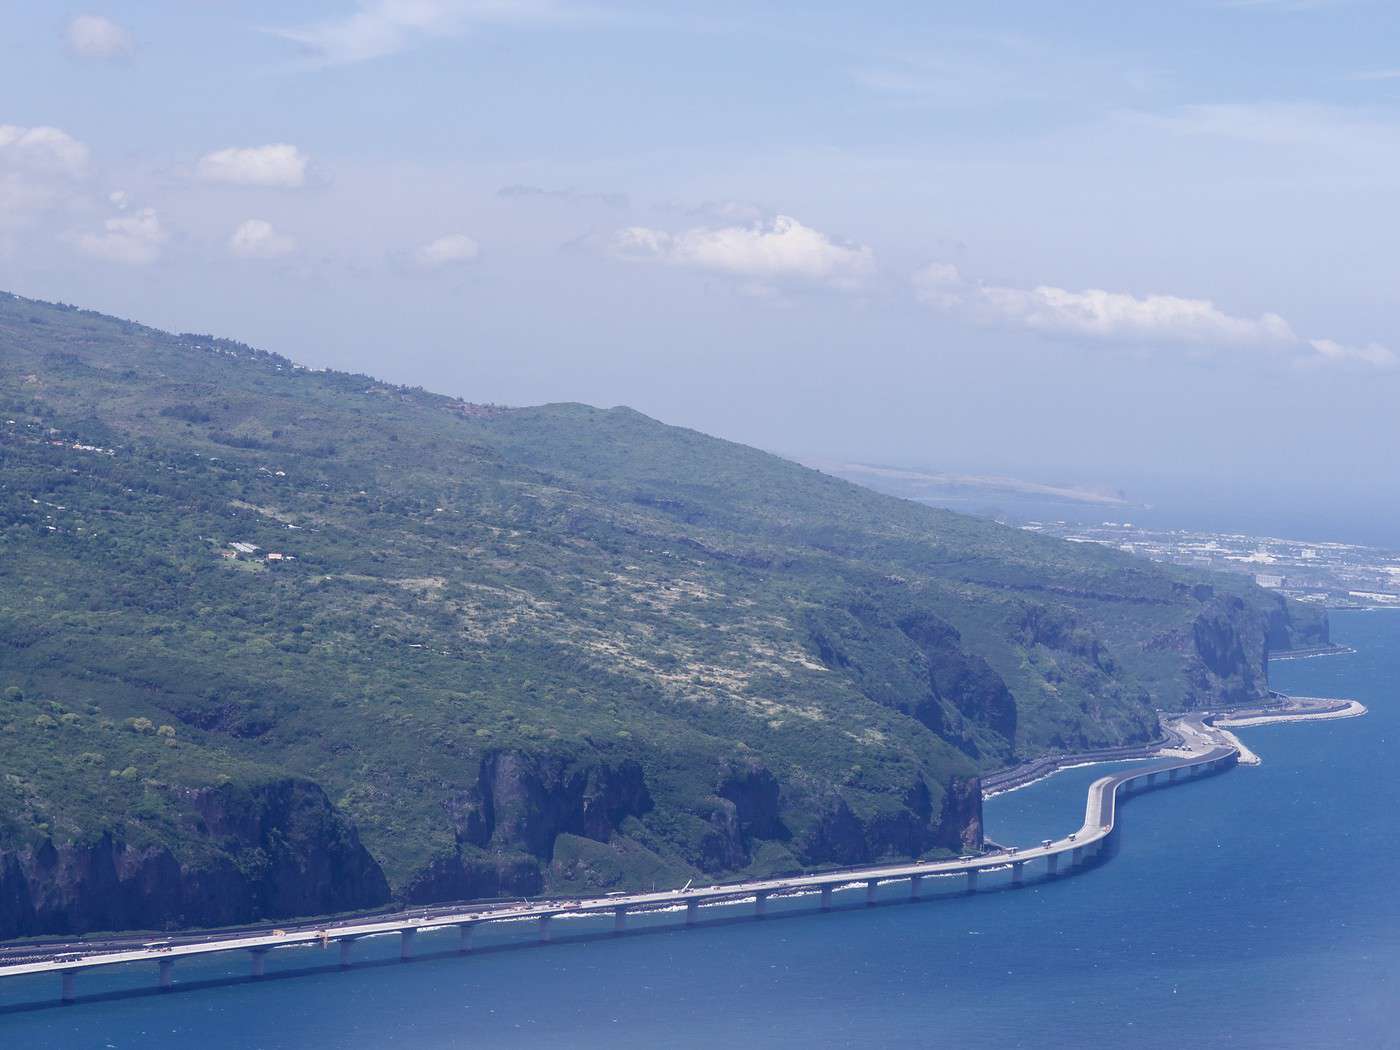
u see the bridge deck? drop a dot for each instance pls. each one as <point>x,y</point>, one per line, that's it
<point>1099,819</point>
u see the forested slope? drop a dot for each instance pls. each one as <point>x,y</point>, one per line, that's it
<point>277,641</point>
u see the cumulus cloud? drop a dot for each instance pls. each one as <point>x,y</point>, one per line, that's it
<point>257,239</point>
<point>41,149</point>
<point>39,169</point>
<point>385,27</point>
<point>780,250</point>
<point>133,239</point>
<point>1120,317</point>
<point>450,250</point>
<point>92,36</point>
<point>278,164</point>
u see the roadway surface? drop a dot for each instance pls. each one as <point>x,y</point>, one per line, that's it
<point>1099,822</point>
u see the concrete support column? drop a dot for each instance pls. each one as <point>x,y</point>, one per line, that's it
<point>971,880</point>
<point>1171,774</point>
<point>406,938</point>
<point>1077,857</point>
<point>167,974</point>
<point>916,885</point>
<point>760,903</point>
<point>345,943</point>
<point>544,928</point>
<point>67,993</point>
<point>620,918</point>
<point>466,931</point>
<point>1052,863</point>
<point>691,908</point>
<point>870,885</point>
<point>259,962</point>
<point>1018,872</point>
<point>826,898</point>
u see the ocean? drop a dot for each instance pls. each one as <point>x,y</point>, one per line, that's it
<point>1257,908</point>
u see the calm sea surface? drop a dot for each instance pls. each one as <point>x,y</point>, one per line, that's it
<point>1254,909</point>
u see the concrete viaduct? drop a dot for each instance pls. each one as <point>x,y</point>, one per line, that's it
<point>1059,857</point>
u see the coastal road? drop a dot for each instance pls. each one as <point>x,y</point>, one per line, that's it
<point>1099,823</point>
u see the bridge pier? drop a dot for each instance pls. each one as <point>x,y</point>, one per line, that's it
<point>870,885</point>
<point>916,885</point>
<point>760,903</point>
<point>1077,857</point>
<point>971,880</point>
<point>1052,863</point>
<point>1171,773</point>
<point>259,961</point>
<point>466,942</point>
<point>691,909</point>
<point>544,928</point>
<point>167,974</point>
<point>1018,872</point>
<point>620,919</point>
<point>826,897</point>
<point>406,943</point>
<point>66,990</point>
<point>345,943</point>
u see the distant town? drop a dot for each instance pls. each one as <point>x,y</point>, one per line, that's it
<point>1338,575</point>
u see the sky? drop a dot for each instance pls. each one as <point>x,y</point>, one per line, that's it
<point>1149,246</point>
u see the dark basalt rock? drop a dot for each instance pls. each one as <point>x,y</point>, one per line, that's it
<point>839,836</point>
<point>756,796</point>
<point>506,824</point>
<point>467,876</point>
<point>524,801</point>
<point>270,850</point>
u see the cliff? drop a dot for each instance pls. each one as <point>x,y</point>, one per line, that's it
<point>267,851</point>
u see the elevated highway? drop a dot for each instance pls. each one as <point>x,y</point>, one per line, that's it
<point>1058,857</point>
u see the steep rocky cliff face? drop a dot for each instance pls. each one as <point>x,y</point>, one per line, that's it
<point>1293,625</point>
<point>270,851</point>
<point>1229,650</point>
<point>840,836</point>
<point>914,662</point>
<point>524,804</point>
<point>507,824</point>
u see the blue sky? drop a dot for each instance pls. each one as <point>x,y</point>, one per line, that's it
<point>1099,242</point>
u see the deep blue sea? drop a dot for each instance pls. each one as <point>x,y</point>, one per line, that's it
<point>1259,908</point>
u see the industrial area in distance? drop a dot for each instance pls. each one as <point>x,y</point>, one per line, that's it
<point>1337,575</point>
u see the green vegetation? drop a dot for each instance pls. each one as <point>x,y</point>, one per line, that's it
<point>425,583</point>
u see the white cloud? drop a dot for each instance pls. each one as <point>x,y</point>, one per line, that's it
<point>781,250</point>
<point>385,27</point>
<point>41,149</point>
<point>256,239</point>
<point>446,251</point>
<point>1377,74</point>
<point>1120,317</point>
<point>133,239</point>
<point>1370,354</point>
<point>39,167</point>
<point>92,36</point>
<point>278,164</point>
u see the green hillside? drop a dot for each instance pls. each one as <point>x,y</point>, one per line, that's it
<point>514,648</point>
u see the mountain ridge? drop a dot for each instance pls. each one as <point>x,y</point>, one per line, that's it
<point>558,647</point>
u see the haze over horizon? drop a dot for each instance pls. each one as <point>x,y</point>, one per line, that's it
<point>1142,247</point>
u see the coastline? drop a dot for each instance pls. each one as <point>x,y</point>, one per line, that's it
<point>1185,734</point>
<point>1349,709</point>
<point>1312,653</point>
